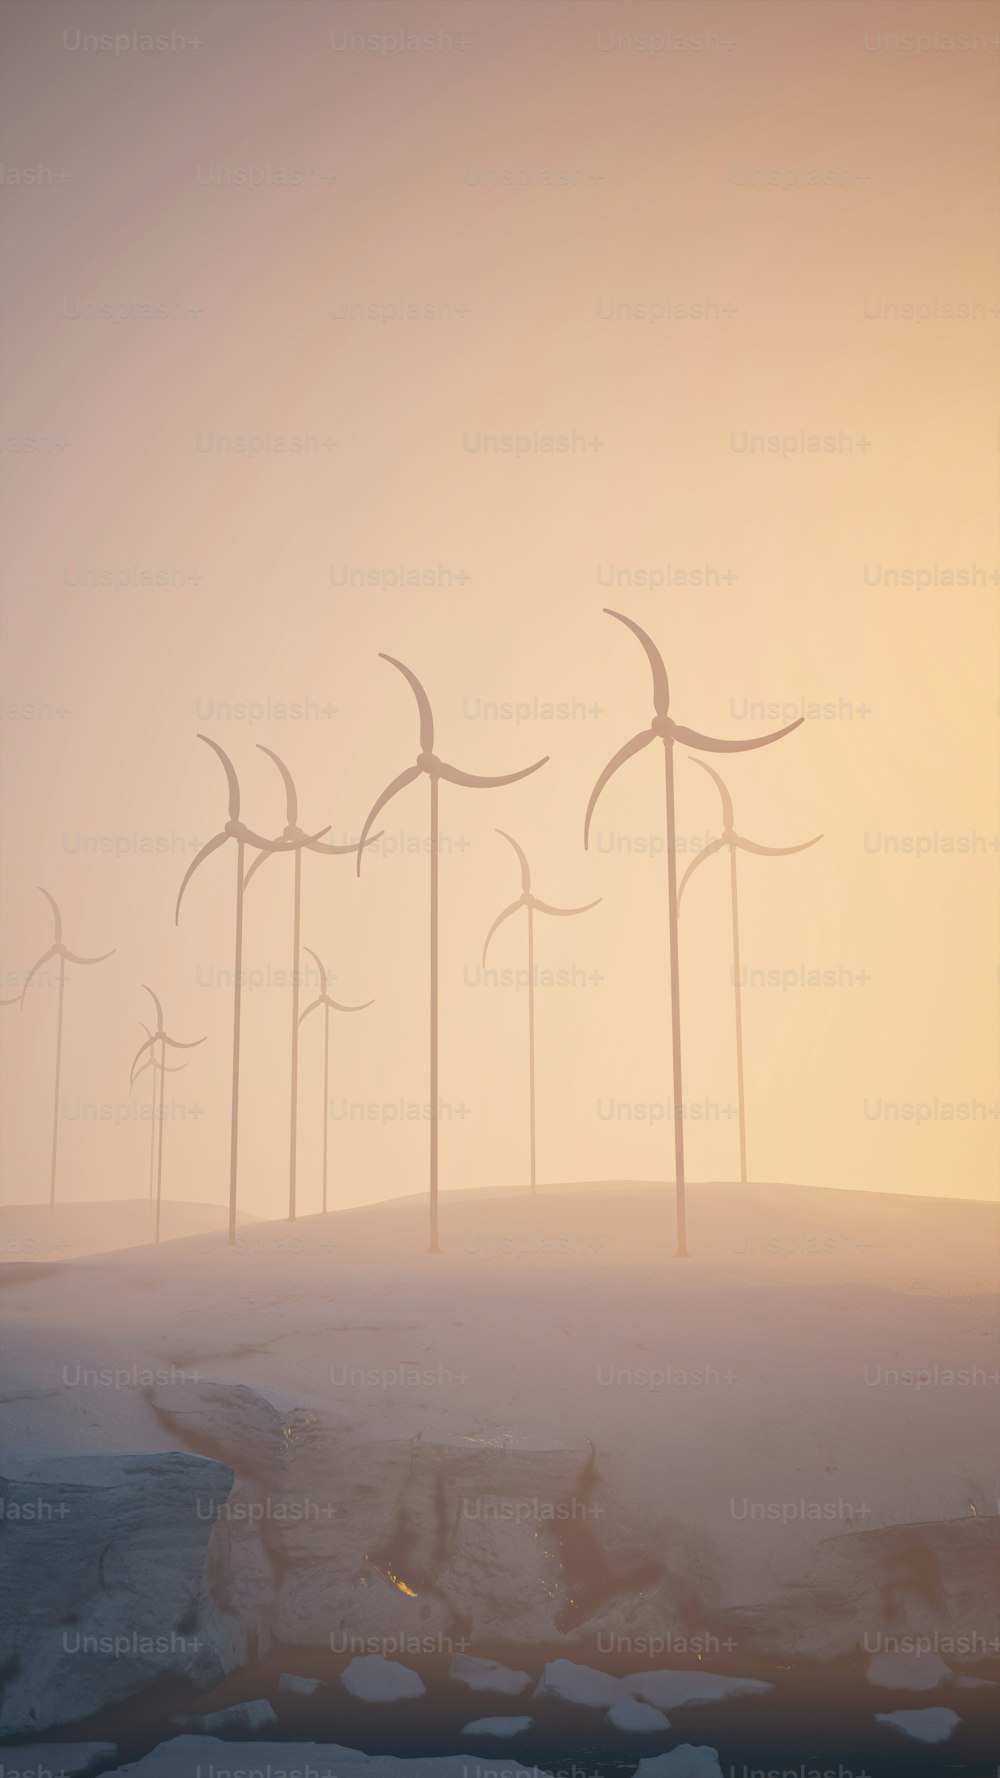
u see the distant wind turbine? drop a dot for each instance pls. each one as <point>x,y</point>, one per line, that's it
<point>435,769</point>
<point>532,903</point>
<point>154,1064</point>
<point>237,830</point>
<point>159,1036</point>
<point>735,842</point>
<point>58,949</point>
<point>294,835</point>
<point>323,999</point>
<point>665,729</point>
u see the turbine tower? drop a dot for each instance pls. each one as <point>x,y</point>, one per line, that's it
<point>664,728</point>
<point>159,1036</point>
<point>428,764</point>
<point>295,836</point>
<point>323,999</point>
<point>735,842</point>
<point>237,830</point>
<point>531,902</point>
<point>57,949</point>
<point>153,1063</point>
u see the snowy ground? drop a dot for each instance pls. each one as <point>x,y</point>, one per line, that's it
<point>825,1365</point>
<point>35,1234</point>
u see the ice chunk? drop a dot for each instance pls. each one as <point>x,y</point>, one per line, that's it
<point>908,1672</point>
<point>502,1727</point>
<point>237,1719</point>
<point>682,1762</point>
<point>487,1676</point>
<point>183,1757</point>
<point>292,1685</point>
<point>634,1718</point>
<point>573,1684</point>
<point>375,1680</point>
<point>668,1690</point>
<point>922,1725</point>
<point>63,1759</point>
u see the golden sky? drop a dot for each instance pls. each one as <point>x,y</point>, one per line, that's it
<point>278,283</point>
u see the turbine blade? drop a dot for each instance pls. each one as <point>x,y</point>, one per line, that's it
<point>728,816</point>
<point>291,798</point>
<point>159,1010</point>
<point>661,687</point>
<point>423,704</point>
<point>143,1070</point>
<point>230,771</point>
<point>314,845</point>
<point>776,851</point>
<point>52,952</point>
<point>706,852</point>
<point>322,970</point>
<point>310,1008</point>
<point>72,957</point>
<point>474,782</point>
<point>176,1044</point>
<point>691,738</point>
<point>258,861</point>
<point>339,1007</point>
<point>56,915</point>
<point>636,745</point>
<point>148,1045</point>
<point>152,1062</point>
<point>211,846</point>
<point>400,783</point>
<point>499,922</point>
<point>281,845</point>
<point>545,907</point>
<point>525,868</point>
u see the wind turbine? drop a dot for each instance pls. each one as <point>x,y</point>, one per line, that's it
<point>58,949</point>
<point>663,727</point>
<point>237,830</point>
<point>736,842</point>
<point>155,1066</point>
<point>323,999</point>
<point>532,903</point>
<point>294,835</point>
<point>159,1036</point>
<point>428,763</point>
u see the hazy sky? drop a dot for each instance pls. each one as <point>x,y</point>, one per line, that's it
<point>276,280</point>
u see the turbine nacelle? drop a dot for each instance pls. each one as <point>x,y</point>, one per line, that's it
<point>729,836</point>
<point>324,998</point>
<point>664,728</point>
<point>236,829</point>
<point>526,899</point>
<point>293,837</point>
<point>159,1036</point>
<point>428,764</point>
<point>56,948</point>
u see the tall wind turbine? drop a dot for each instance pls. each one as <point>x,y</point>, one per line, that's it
<point>533,905</point>
<point>159,1036</point>
<point>665,729</point>
<point>58,949</point>
<point>237,830</point>
<point>153,1063</point>
<point>295,836</point>
<point>729,837</point>
<point>323,999</point>
<point>428,763</point>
